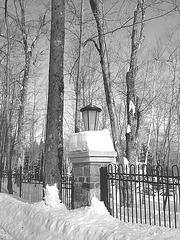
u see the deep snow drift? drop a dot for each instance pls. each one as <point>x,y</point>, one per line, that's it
<point>50,220</point>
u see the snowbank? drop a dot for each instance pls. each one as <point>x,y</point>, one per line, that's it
<point>50,220</point>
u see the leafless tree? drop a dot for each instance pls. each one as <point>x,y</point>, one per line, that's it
<point>54,127</point>
<point>133,113</point>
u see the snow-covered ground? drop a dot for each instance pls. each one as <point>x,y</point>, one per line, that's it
<point>50,220</point>
<point>4,235</point>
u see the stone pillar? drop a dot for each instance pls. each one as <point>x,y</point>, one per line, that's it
<point>88,152</point>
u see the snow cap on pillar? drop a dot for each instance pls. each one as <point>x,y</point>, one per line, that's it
<point>91,146</point>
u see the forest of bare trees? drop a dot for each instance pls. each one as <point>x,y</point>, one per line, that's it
<point>122,56</point>
<point>137,66</point>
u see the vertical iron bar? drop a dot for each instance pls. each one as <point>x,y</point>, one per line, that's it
<point>112,188</point>
<point>144,193</point>
<point>153,196</point>
<point>120,191</point>
<point>132,193</point>
<point>127,187</point>
<point>178,192</point>
<point>66,189</point>
<point>20,182</point>
<point>158,193</point>
<point>164,200</point>
<point>124,197</point>
<point>174,196</point>
<point>116,191</point>
<point>43,185</point>
<point>72,192</point>
<point>140,206</point>
<point>104,186</point>
<point>109,190</point>
<point>149,202</point>
<point>168,200</point>
<point>136,175</point>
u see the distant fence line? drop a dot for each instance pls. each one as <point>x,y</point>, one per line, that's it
<point>31,187</point>
<point>149,195</point>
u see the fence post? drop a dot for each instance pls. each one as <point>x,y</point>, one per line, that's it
<point>72,192</point>
<point>20,181</point>
<point>103,186</point>
<point>9,184</point>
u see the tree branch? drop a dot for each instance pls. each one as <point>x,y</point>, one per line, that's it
<point>91,40</point>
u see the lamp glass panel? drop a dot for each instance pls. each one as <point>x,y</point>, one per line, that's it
<point>96,121</point>
<point>92,120</point>
<point>85,120</point>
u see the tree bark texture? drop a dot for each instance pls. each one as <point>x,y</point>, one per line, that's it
<point>133,113</point>
<point>54,126</point>
<point>106,76</point>
<point>8,119</point>
<point>78,79</point>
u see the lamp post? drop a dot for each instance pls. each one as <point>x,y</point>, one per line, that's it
<point>90,115</point>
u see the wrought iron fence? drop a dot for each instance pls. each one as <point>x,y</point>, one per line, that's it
<point>25,185</point>
<point>68,191</point>
<point>31,187</point>
<point>148,195</point>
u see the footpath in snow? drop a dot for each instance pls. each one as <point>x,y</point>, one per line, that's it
<point>50,220</point>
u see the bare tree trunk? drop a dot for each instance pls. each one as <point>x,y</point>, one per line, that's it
<point>167,137</point>
<point>23,96</point>
<point>78,80</point>
<point>3,137</point>
<point>32,131</point>
<point>23,99</point>
<point>54,127</point>
<point>133,113</point>
<point>8,125</point>
<point>150,133</point>
<point>105,66</point>
<point>178,125</point>
<point>28,50</point>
